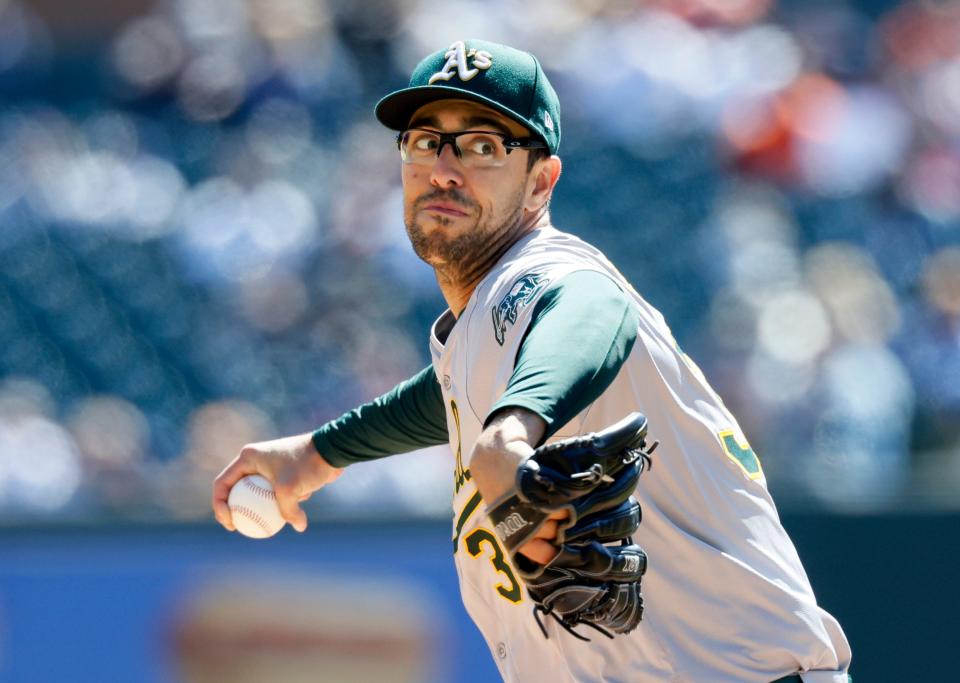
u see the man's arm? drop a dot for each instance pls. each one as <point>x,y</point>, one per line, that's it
<point>408,417</point>
<point>583,328</point>
<point>582,331</point>
<point>502,445</point>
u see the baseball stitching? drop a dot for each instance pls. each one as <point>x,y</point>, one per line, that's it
<point>259,490</point>
<point>252,516</point>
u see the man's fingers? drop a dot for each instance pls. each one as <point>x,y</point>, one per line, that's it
<point>539,548</point>
<point>539,551</point>
<point>548,531</point>
<point>241,466</point>
<point>221,512</point>
<point>290,510</point>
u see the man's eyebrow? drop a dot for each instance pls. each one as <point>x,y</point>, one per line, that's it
<point>472,122</point>
<point>431,121</point>
<point>488,122</point>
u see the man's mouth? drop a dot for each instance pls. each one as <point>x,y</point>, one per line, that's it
<point>445,209</point>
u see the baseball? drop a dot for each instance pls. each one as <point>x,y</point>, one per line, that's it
<point>253,505</point>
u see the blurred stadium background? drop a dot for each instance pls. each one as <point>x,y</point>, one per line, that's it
<point>201,245</point>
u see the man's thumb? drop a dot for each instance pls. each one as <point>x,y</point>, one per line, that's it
<point>290,510</point>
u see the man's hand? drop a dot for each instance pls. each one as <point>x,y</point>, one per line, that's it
<point>291,464</point>
<point>592,477</point>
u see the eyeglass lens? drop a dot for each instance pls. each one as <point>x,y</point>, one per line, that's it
<point>474,148</point>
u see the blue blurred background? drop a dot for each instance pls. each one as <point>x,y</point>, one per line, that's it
<point>201,245</point>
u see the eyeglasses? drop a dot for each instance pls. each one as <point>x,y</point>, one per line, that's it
<point>474,148</point>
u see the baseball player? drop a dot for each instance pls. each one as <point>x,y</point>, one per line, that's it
<point>543,341</point>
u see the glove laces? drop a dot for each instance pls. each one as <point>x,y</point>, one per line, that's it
<point>569,628</point>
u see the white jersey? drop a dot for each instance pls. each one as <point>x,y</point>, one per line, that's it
<point>726,598</point>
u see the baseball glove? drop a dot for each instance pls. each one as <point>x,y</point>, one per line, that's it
<point>595,578</point>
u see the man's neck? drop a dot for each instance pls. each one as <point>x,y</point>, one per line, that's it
<point>457,284</point>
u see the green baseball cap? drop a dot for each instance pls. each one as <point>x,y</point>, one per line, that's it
<point>500,77</point>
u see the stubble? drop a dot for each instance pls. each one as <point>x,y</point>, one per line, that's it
<point>459,256</point>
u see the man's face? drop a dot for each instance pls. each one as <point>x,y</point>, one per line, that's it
<point>454,213</point>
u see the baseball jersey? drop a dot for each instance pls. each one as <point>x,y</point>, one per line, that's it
<point>726,597</point>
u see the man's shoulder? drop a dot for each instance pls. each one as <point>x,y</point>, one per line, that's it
<point>554,238</point>
<point>539,260</point>
<point>548,249</point>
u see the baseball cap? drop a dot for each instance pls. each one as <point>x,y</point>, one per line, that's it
<point>501,77</point>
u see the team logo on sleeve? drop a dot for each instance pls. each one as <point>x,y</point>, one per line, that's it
<point>521,293</point>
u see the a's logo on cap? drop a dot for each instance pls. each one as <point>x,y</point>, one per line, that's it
<point>547,120</point>
<point>457,64</point>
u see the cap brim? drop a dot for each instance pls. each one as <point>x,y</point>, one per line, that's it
<point>395,110</point>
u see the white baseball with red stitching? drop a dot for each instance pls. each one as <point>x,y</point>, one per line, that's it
<point>253,505</point>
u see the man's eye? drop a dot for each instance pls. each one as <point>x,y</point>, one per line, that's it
<point>425,143</point>
<point>484,147</point>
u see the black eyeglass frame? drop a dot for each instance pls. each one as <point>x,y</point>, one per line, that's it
<point>509,143</point>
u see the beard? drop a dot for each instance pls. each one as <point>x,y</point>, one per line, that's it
<point>436,246</point>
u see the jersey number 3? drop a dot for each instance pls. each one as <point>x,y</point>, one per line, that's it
<point>474,543</point>
<point>476,539</point>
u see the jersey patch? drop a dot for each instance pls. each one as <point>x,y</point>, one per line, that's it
<point>521,293</point>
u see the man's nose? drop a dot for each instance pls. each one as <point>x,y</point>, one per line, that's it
<point>447,170</point>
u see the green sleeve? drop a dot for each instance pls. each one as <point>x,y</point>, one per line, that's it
<point>583,328</point>
<point>408,417</point>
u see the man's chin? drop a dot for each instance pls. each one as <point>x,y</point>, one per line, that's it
<point>442,223</point>
<point>433,252</point>
<point>433,260</point>
<point>435,248</point>
<point>441,229</point>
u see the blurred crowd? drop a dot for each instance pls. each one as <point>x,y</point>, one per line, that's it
<point>201,240</point>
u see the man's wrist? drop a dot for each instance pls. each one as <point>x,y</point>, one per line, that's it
<point>325,450</point>
<point>515,520</point>
<point>501,447</point>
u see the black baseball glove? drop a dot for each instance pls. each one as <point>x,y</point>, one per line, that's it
<point>595,578</point>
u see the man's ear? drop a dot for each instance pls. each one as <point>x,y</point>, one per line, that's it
<point>543,178</point>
